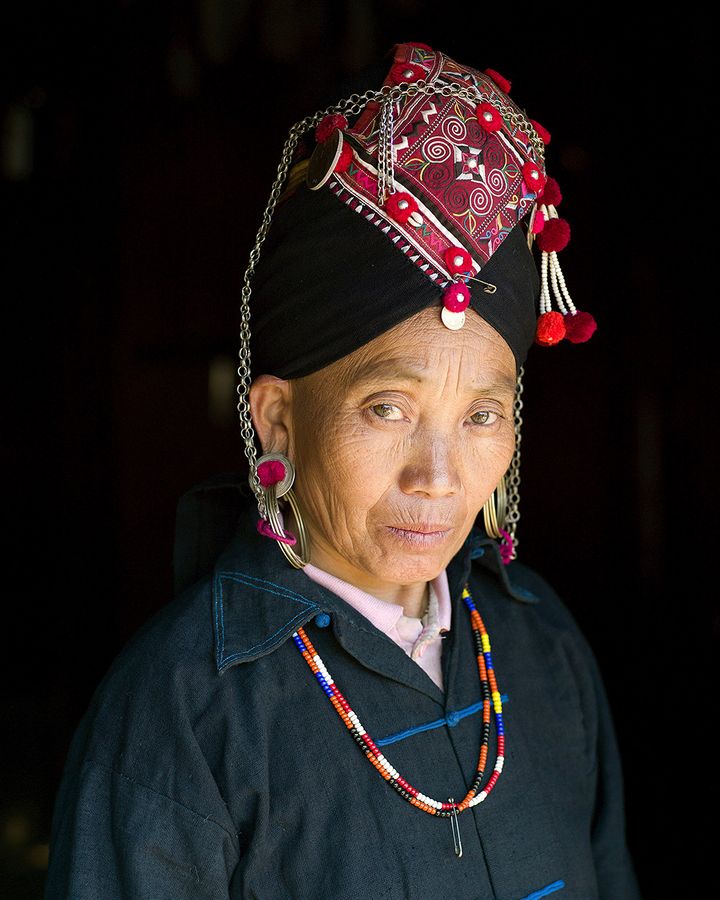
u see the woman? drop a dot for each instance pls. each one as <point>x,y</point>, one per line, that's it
<point>384,328</point>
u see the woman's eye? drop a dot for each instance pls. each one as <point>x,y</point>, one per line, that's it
<point>483,417</point>
<point>386,410</point>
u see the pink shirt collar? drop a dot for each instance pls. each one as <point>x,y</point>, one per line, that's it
<point>383,614</point>
<point>421,639</point>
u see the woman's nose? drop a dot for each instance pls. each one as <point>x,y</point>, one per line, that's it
<point>431,468</point>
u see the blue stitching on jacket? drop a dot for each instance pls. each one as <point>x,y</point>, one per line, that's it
<point>255,582</point>
<point>219,624</point>
<point>543,892</point>
<point>252,582</point>
<point>451,720</point>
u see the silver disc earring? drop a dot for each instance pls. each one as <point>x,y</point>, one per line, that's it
<point>276,475</point>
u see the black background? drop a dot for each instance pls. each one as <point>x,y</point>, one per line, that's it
<point>139,142</point>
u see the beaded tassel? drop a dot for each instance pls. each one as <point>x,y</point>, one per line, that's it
<point>490,700</point>
<point>552,235</point>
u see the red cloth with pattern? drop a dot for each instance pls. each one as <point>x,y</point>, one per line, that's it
<point>467,182</point>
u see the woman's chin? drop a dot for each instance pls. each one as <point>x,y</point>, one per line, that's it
<point>412,557</point>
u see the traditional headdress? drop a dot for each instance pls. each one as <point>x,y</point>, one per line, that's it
<point>427,191</point>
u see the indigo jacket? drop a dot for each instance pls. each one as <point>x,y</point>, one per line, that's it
<point>211,764</point>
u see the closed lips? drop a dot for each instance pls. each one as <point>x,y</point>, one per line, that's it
<point>429,528</point>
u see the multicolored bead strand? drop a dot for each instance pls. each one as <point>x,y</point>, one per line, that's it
<point>490,700</point>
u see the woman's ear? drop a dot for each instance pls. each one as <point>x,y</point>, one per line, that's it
<point>270,407</point>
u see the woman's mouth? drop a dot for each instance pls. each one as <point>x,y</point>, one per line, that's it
<point>425,535</point>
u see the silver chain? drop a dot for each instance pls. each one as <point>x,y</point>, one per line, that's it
<point>386,153</point>
<point>512,476</point>
<point>387,96</point>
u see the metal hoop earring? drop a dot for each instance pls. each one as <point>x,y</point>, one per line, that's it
<point>276,475</point>
<point>495,510</point>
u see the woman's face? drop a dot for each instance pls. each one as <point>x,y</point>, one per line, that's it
<point>397,446</point>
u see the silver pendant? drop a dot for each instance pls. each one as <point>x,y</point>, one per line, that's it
<point>455,829</point>
<point>323,161</point>
<point>452,320</point>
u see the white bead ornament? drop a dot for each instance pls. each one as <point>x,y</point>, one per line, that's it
<point>551,276</point>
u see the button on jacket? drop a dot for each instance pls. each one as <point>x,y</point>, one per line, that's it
<point>211,764</point>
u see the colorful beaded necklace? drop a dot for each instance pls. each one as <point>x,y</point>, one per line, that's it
<point>490,698</point>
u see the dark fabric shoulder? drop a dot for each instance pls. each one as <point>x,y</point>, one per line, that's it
<point>546,631</point>
<point>139,811</point>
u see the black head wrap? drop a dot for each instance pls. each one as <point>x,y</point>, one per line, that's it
<point>328,282</point>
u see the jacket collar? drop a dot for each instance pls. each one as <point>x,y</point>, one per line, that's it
<point>259,600</point>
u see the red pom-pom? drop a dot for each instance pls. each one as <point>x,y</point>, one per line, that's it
<point>550,194</point>
<point>489,117</point>
<point>554,236</point>
<point>457,297</point>
<point>501,82</point>
<point>543,133</point>
<point>401,206</point>
<point>406,71</point>
<point>538,222</point>
<point>328,125</point>
<point>533,177</point>
<point>580,327</point>
<point>550,329</point>
<point>458,260</point>
<point>270,472</point>
<point>345,158</point>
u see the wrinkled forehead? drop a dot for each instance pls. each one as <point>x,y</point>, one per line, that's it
<point>421,351</point>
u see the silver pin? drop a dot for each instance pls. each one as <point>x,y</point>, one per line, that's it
<point>455,829</point>
<point>488,289</point>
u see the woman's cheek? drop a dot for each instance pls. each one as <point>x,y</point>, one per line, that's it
<point>362,454</point>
